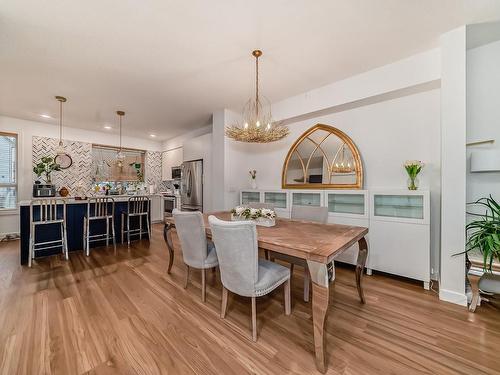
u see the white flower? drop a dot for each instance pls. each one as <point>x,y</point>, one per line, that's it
<point>411,163</point>
<point>239,210</point>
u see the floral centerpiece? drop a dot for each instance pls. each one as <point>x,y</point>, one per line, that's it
<point>413,168</point>
<point>262,216</point>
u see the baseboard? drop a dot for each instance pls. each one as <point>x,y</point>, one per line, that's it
<point>453,297</point>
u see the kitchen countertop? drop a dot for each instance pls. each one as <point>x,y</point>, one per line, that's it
<point>71,200</point>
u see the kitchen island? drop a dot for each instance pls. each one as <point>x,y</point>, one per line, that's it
<point>75,212</point>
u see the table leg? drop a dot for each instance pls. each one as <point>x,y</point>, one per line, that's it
<point>167,236</point>
<point>320,296</point>
<point>360,266</point>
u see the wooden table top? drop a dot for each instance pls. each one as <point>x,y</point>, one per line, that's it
<point>306,240</point>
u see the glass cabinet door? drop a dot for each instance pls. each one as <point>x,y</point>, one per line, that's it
<point>278,199</point>
<point>250,197</point>
<point>346,203</point>
<point>403,206</point>
<point>306,199</point>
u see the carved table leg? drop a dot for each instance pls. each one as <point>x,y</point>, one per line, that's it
<point>167,236</point>
<point>320,295</point>
<point>360,266</point>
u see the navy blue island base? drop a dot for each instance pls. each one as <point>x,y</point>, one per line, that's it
<point>75,213</point>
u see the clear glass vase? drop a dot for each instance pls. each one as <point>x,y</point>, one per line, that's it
<point>254,183</point>
<point>412,183</point>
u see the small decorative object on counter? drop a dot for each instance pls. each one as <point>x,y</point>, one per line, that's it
<point>253,175</point>
<point>63,192</point>
<point>413,168</point>
<point>261,216</point>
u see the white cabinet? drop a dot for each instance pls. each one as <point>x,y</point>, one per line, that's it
<point>400,233</point>
<point>170,158</point>
<point>348,207</point>
<point>306,198</point>
<point>156,208</point>
<point>278,198</point>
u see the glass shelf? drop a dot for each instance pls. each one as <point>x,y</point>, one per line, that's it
<point>250,196</point>
<point>306,199</point>
<point>276,198</point>
<point>403,206</point>
<point>346,203</point>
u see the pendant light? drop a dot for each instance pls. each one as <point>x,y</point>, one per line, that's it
<point>60,146</point>
<point>257,125</point>
<point>120,156</point>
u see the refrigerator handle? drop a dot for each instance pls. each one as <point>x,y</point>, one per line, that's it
<point>189,183</point>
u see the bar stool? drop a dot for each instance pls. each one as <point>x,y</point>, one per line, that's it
<point>48,213</point>
<point>101,208</point>
<point>136,207</point>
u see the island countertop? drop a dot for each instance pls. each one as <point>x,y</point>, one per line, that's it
<point>71,200</point>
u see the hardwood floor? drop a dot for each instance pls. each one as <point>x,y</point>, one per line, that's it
<point>122,314</point>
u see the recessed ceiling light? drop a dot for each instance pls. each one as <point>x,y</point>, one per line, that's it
<point>152,135</point>
<point>45,116</point>
<point>107,127</point>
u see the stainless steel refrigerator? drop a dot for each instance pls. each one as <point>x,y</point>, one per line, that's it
<point>192,185</point>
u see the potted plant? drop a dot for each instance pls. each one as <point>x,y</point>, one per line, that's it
<point>483,233</point>
<point>46,166</point>
<point>413,168</point>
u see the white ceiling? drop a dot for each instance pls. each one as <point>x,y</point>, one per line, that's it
<point>169,64</point>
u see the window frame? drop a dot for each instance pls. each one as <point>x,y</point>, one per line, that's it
<point>16,176</point>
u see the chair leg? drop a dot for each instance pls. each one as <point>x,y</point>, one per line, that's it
<point>87,246</point>
<point>187,277</point>
<point>113,230</point>
<point>254,319</point>
<point>288,301</point>
<point>307,283</point>
<point>140,227</point>
<point>128,230</point>
<point>30,255</point>
<point>203,285</point>
<point>148,228</point>
<point>224,303</point>
<point>84,235</point>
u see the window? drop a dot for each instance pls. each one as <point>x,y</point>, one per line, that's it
<point>8,171</point>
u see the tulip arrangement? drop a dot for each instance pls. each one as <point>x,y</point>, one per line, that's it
<point>413,168</point>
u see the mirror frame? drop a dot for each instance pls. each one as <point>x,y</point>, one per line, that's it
<point>348,141</point>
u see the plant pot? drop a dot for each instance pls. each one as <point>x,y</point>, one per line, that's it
<point>254,183</point>
<point>413,183</point>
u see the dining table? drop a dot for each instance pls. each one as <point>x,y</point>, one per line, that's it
<point>317,244</point>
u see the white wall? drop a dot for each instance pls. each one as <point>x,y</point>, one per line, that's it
<point>387,133</point>
<point>453,166</point>
<point>201,148</point>
<point>483,114</point>
<point>9,222</point>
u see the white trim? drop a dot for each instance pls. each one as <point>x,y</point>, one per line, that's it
<point>453,297</point>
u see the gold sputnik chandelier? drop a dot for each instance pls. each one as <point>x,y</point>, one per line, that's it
<point>257,125</point>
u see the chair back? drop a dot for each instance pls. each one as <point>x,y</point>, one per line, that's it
<point>237,252</point>
<point>138,205</point>
<point>191,233</point>
<point>310,213</point>
<point>100,207</point>
<point>269,206</point>
<point>47,210</point>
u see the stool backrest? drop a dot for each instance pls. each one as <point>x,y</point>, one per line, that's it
<point>138,205</point>
<point>100,207</point>
<point>48,210</point>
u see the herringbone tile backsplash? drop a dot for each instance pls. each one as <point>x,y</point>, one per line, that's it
<point>79,175</point>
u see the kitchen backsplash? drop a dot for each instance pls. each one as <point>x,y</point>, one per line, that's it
<point>79,175</point>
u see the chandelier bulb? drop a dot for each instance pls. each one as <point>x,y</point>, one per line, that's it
<point>246,125</point>
<point>257,124</point>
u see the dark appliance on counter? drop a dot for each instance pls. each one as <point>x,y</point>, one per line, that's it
<point>44,190</point>
<point>192,186</point>
<point>176,173</point>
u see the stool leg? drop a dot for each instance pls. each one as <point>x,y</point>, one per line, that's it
<point>107,231</point>
<point>87,239</point>
<point>84,234</point>
<point>148,228</point>
<point>128,230</point>
<point>140,227</point>
<point>113,230</point>
<point>122,225</point>
<point>30,254</point>
<point>65,234</point>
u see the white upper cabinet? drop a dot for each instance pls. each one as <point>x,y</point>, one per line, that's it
<point>171,158</point>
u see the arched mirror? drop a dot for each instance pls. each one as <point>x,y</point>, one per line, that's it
<point>323,158</point>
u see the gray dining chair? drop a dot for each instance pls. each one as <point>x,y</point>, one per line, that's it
<point>269,206</point>
<point>197,252</point>
<point>241,270</point>
<point>303,213</point>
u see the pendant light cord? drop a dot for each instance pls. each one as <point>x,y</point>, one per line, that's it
<point>120,133</point>
<point>60,121</point>
<point>257,86</point>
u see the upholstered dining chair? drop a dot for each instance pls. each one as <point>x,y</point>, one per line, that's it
<point>241,270</point>
<point>303,213</point>
<point>197,252</point>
